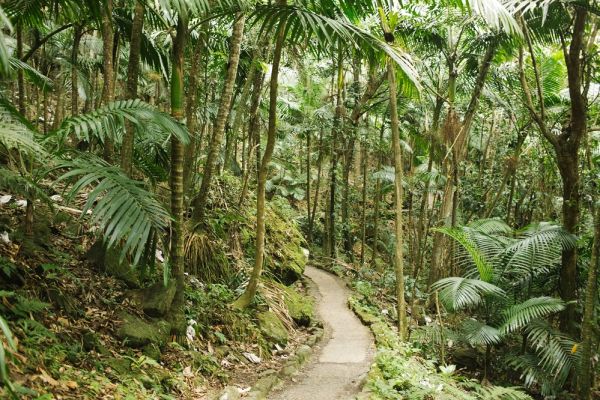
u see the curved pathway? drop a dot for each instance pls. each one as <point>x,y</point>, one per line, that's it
<point>338,369</point>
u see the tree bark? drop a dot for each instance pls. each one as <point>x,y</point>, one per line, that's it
<point>222,115</point>
<point>587,329</point>
<point>133,69</point>
<point>248,295</point>
<point>108,91</point>
<point>176,181</point>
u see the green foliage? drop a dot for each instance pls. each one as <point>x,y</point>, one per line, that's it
<point>458,293</point>
<point>125,210</point>
<point>107,122</point>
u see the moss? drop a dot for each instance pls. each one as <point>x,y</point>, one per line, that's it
<point>136,332</point>
<point>272,327</point>
<point>108,261</point>
<point>300,307</point>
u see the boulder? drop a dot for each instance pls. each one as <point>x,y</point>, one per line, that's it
<point>300,307</point>
<point>272,327</point>
<point>136,332</point>
<point>108,261</point>
<point>157,299</point>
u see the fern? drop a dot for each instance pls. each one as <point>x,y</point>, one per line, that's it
<point>123,208</point>
<point>502,393</point>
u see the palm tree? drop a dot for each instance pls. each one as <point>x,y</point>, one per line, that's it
<point>502,271</point>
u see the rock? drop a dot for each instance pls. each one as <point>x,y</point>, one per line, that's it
<point>272,327</point>
<point>303,353</point>
<point>138,333</point>
<point>157,299</point>
<point>108,261</point>
<point>300,307</point>
<point>229,393</point>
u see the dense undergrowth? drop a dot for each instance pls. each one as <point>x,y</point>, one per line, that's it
<point>92,327</point>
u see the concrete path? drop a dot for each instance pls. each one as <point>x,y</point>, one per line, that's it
<point>339,367</point>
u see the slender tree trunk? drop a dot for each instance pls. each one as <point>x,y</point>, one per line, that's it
<point>587,329</point>
<point>176,182</point>
<point>311,216</point>
<point>398,176</point>
<point>108,91</point>
<point>20,75</point>
<point>330,249</point>
<point>308,179</point>
<point>133,69</point>
<point>377,198</point>
<point>253,130</point>
<point>77,32</point>
<point>248,295</point>
<point>222,115</point>
<point>363,218</point>
<point>232,136</point>
<point>191,118</point>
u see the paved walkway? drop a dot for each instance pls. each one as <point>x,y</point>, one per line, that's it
<point>340,366</point>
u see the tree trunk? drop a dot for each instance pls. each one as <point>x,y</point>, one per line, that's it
<point>253,130</point>
<point>587,329</point>
<point>222,115</point>
<point>377,198</point>
<point>398,227</point>
<point>133,69</point>
<point>77,32</point>
<point>108,91</point>
<point>176,182</point>
<point>248,295</point>
<point>191,119</point>
<point>363,218</point>
<point>330,248</point>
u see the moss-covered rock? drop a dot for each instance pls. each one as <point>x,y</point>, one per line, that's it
<point>300,307</point>
<point>272,327</point>
<point>138,333</point>
<point>157,299</point>
<point>108,261</point>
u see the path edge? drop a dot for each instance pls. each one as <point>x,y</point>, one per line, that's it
<point>264,385</point>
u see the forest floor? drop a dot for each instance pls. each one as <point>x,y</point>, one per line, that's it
<point>339,369</point>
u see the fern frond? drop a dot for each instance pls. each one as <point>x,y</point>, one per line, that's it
<point>502,393</point>
<point>123,208</point>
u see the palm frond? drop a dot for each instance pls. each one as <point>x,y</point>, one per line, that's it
<point>15,183</point>
<point>301,24</point>
<point>458,293</point>
<point>127,213</point>
<point>484,267</point>
<point>15,135</point>
<point>520,315</point>
<point>108,122</point>
<point>478,333</point>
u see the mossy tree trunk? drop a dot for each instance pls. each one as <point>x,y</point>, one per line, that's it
<point>108,90</point>
<point>222,116</point>
<point>246,298</point>
<point>176,257</point>
<point>133,69</point>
